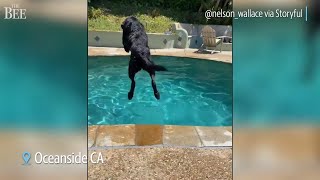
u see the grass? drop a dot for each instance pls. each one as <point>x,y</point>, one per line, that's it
<point>110,15</point>
<point>110,22</point>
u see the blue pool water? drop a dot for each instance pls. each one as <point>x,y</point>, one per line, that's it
<point>193,92</point>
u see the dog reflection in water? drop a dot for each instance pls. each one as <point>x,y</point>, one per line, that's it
<point>135,40</point>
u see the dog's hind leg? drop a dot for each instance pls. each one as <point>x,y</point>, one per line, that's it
<point>154,86</point>
<point>133,85</point>
<point>132,72</point>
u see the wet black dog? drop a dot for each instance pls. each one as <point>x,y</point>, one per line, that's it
<point>135,39</point>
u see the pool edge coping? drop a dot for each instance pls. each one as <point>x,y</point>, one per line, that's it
<point>224,56</point>
<point>123,136</point>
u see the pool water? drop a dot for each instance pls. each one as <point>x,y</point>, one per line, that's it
<point>193,92</point>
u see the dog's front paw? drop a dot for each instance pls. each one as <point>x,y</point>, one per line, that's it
<point>130,95</point>
<point>157,95</point>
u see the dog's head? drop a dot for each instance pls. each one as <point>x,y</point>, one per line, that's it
<point>131,24</point>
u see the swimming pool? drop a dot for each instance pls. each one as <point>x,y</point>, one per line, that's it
<point>193,92</point>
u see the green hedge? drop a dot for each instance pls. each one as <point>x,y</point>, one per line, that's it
<point>157,14</point>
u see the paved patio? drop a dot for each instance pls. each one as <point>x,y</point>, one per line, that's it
<point>163,163</point>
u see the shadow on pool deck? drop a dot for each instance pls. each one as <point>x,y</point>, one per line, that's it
<point>224,56</point>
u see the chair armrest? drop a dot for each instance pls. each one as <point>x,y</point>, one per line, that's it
<point>222,37</point>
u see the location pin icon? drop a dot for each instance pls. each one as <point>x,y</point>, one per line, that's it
<point>26,157</point>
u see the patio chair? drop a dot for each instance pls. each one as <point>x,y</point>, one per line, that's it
<point>210,41</point>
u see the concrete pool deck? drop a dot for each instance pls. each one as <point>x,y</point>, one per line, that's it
<point>224,56</point>
<point>163,163</point>
<point>106,136</point>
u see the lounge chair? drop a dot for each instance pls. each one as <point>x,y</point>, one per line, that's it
<point>210,41</point>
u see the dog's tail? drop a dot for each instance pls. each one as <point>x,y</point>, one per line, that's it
<point>158,68</point>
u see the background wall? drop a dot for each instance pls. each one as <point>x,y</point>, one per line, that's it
<point>159,40</point>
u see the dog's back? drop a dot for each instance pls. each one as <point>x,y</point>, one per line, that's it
<point>134,34</point>
<point>135,39</point>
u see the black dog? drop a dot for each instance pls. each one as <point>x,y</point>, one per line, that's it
<point>135,39</point>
